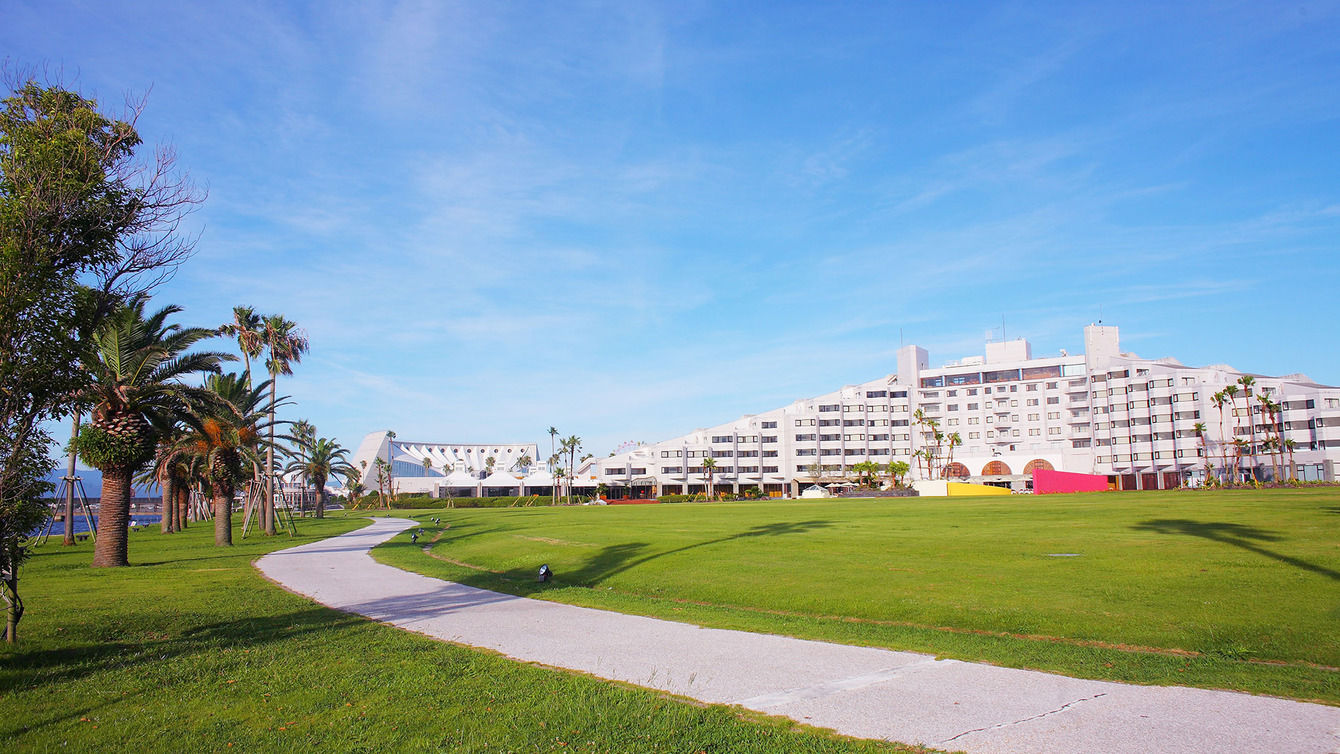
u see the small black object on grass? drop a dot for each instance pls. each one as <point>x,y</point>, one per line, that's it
<point>414,537</point>
<point>545,573</point>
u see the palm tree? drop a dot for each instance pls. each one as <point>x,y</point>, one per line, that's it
<point>1240,449</point>
<point>1230,396</point>
<point>246,327</point>
<point>553,433</point>
<point>710,468</point>
<point>222,438</point>
<point>353,486</point>
<point>1289,445</point>
<point>286,343</point>
<point>1247,381</point>
<point>523,463</point>
<point>571,445</point>
<point>135,364</point>
<point>954,441</point>
<point>1271,444</point>
<point>898,470</point>
<point>326,459</point>
<point>1199,429</point>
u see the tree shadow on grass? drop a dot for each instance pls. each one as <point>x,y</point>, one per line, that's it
<point>1236,535</point>
<point>29,670</point>
<point>616,559</point>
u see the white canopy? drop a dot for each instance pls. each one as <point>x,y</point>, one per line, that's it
<point>539,478</point>
<point>501,478</point>
<point>461,478</point>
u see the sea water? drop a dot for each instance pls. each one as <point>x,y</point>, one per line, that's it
<point>81,525</point>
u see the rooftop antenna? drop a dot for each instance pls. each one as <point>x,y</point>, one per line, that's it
<point>1002,328</point>
<point>900,337</point>
<point>1100,314</point>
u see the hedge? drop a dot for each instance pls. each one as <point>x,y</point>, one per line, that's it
<point>470,502</point>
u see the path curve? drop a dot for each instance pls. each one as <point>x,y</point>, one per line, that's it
<point>857,691</point>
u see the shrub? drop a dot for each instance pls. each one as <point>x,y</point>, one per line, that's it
<point>407,502</point>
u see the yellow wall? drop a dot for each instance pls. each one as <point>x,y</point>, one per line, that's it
<point>963,488</point>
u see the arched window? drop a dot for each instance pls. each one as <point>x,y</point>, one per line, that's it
<point>996,468</point>
<point>1037,463</point>
<point>957,470</point>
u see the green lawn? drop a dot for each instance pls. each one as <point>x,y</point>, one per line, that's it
<point>1235,590</point>
<point>191,650</point>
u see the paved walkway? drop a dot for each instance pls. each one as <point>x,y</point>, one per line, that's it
<point>859,691</point>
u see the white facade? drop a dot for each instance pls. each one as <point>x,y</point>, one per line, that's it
<point>1101,412</point>
<point>460,467</point>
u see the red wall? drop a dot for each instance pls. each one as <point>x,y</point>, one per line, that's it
<point>1045,482</point>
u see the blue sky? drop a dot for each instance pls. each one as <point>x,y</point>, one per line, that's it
<point>628,220</point>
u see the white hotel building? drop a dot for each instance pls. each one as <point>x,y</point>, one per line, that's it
<point>1100,412</point>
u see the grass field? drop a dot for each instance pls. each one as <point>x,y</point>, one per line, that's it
<point>1237,589</point>
<point>191,650</point>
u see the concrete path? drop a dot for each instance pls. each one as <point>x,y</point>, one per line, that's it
<point>858,691</point>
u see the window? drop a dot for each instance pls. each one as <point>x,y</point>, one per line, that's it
<point>952,407</point>
<point>723,438</point>
<point>806,452</point>
<point>722,453</point>
<point>1015,433</point>
<point>899,394</point>
<point>769,454</point>
<point>1032,417</point>
<point>748,469</point>
<point>829,407</point>
<point>1014,403</point>
<point>769,425</point>
<point>831,452</point>
<point>898,423</point>
<point>829,438</point>
<point>830,422</point>
<point>1014,417</point>
<point>1032,388</point>
<point>853,423</point>
<point>804,422</point>
<point>851,438</point>
<point>1057,414</point>
<point>974,406</point>
<point>990,434</point>
<point>747,454</point>
<point>769,469</point>
<point>952,423</point>
<point>973,391</point>
<point>639,472</point>
<point>1014,388</point>
<point>750,438</point>
<point>769,438</point>
<point>974,435</point>
<point>1034,432</point>
<point>951,393</point>
<point>1031,402</point>
<point>855,452</point>
<point>1051,385</point>
<point>852,407</point>
<point>670,469</point>
<point>879,437</point>
<point>876,393</point>
<point>974,420</point>
<point>805,438</point>
<point>986,390</point>
<point>1053,401</point>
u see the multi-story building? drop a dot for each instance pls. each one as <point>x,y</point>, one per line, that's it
<point>1146,423</point>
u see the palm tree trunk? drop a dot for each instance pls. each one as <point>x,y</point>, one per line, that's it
<point>268,509</point>
<point>168,508</point>
<point>321,501</point>
<point>113,512</point>
<point>182,501</point>
<point>223,514</point>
